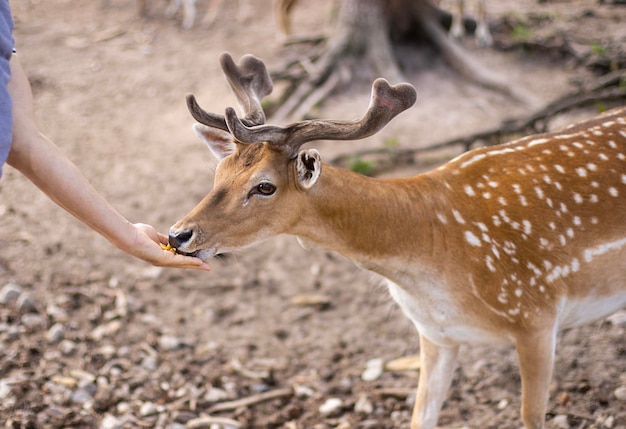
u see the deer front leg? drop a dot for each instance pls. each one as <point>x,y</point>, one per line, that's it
<point>437,368</point>
<point>536,357</point>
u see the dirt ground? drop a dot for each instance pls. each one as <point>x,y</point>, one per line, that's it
<point>97,339</point>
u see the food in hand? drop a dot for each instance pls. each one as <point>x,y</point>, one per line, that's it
<point>168,248</point>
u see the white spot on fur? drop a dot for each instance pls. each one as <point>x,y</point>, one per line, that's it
<point>473,159</point>
<point>472,239</point>
<point>578,199</point>
<point>469,191</point>
<point>613,192</point>
<point>458,217</point>
<point>601,249</point>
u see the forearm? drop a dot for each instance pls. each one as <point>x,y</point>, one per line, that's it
<point>43,164</point>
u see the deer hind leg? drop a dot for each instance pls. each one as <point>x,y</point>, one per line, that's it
<point>437,368</point>
<point>483,34</point>
<point>189,13</point>
<point>282,9</point>
<point>457,28</point>
<point>536,357</point>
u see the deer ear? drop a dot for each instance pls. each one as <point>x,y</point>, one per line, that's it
<point>220,142</point>
<point>308,167</point>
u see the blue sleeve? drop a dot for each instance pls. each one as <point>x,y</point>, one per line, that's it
<point>6,111</point>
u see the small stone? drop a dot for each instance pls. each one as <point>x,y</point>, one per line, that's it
<point>502,404</point>
<point>32,321</point>
<point>81,396</point>
<point>55,333</point>
<point>609,422</point>
<point>215,394</point>
<point>26,304</point>
<point>303,391</point>
<point>5,389</point>
<point>57,313</point>
<point>620,393</point>
<point>148,409</point>
<point>111,422</point>
<point>363,405</point>
<point>106,330</point>
<point>332,406</point>
<point>560,421</point>
<point>618,319</point>
<point>10,293</point>
<point>67,347</point>
<point>169,343</point>
<point>374,369</point>
<point>150,363</point>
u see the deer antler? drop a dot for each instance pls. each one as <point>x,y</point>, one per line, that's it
<point>386,102</point>
<point>249,81</point>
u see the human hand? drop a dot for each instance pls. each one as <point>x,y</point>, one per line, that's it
<point>147,246</point>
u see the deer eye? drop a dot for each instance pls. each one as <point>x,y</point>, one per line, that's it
<point>265,188</point>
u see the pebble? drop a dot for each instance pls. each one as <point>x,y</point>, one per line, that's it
<point>81,396</point>
<point>10,293</point>
<point>150,363</point>
<point>106,330</point>
<point>374,368</point>
<point>32,321</point>
<point>26,304</point>
<point>67,347</point>
<point>148,409</point>
<point>560,422</point>
<point>111,422</point>
<point>5,389</point>
<point>618,318</point>
<point>332,406</point>
<point>169,342</point>
<point>57,313</point>
<point>363,405</point>
<point>620,393</point>
<point>55,333</point>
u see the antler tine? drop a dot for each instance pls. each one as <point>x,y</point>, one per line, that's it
<point>250,81</point>
<point>211,119</point>
<point>387,102</point>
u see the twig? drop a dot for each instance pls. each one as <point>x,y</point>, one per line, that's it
<point>208,421</point>
<point>251,400</point>
<point>395,392</point>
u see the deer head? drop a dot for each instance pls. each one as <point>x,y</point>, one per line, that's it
<point>263,175</point>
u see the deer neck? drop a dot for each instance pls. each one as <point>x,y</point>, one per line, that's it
<point>378,223</point>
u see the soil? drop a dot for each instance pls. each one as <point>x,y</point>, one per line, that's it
<point>97,339</point>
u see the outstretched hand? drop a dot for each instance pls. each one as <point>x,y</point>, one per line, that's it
<point>147,246</point>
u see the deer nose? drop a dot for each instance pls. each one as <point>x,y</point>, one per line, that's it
<point>178,238</point>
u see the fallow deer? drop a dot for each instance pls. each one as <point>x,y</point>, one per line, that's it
<point>505,243</point>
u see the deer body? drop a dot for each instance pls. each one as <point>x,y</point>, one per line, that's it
<point>508,243</point>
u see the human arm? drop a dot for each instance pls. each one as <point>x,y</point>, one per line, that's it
<point>41,161</point>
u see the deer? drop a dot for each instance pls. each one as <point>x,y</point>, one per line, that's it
<point>283,8</point>
<point>502,244</point>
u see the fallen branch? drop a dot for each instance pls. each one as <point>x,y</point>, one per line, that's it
<point>209,421</point>
<point>251,400</point>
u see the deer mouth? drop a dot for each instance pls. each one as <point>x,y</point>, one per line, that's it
<point>204,254</point>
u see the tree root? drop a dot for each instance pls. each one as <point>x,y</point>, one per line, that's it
<point>363,38</point>
<point>606,89</point>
